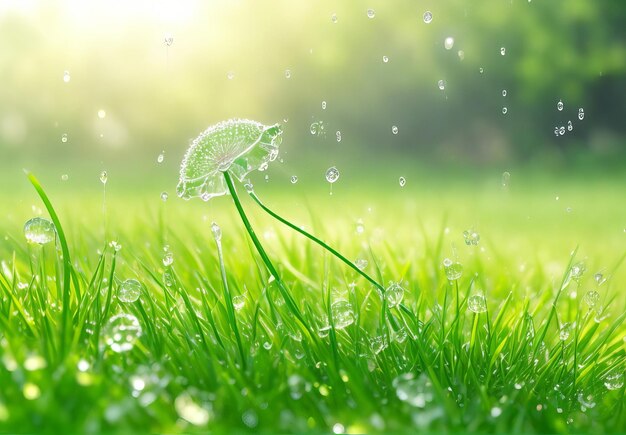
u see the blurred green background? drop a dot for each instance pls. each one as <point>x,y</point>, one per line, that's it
<point>126,80</point>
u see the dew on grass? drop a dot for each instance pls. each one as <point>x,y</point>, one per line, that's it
<point>577,271</point>
<point>448,43</point>
<point>116,246</point>
<point>239,302</point>
<point>250,418</point>
<point>505,110</point>
<point>168,279</point>
<point>377,344</point>
<point>66,76</point>
<point>323,105</point>
<point>294,179</point>
<point>591,298</point>
<point>394,129</point>
<point>441,84</point>
<point>161,157</point>
<point>471,237</point>
<point>360,263</point>
<point>104,177</point>
<point>599,278</point>
<point>168,259</point>
<point>191,411</point>
<point>217,231</point>
<point>102,113</point>
<point>168,39</point>
<point>402,181</point>
<point>586,401</point>
<point>561,130</point>
<point>453,269</point>
<point>287,73</point>
<point>164,196</point>
<point>503,51</point>
<point>129,291</point>
<point>415,391</point>
<point>394,294</point>
<point>581,113</point>
<point>318,128</point>
<point>64,138</point>
<point>570,126</point>
<point>559,106</point>
<point>371,13</point>
<point>427,17</point>
<point>332,174</point>
<point>614,381</point>
<point>122,332</point>
<point>343,314</point>
<point>39,230</point>
<point>565,331</point>
<point>477,304</point>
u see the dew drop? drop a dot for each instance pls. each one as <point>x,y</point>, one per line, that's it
<point>360,263</point>
<point>581,114</point>
<point>39,230</point>
<point>66,76</point>
<point>570,126</point>
<point>471,237</point>
<point>504,110</point>
<point>338,136</point>
<point>565,331</point>
<point>591,298</point>
<point>477,304</point>
<point>129,291</point>
<point>441,84</point>
<point>506,179</point>
<point>230,75</point>
<point>371,13</point>
<point>481,70</point>
<point>333,18</point>
<point>102,114</point>
<point>323,105</point>
<point>343,315</point>
<point>394,294</point>
<point>394,129</point>
<point>503,51</point>
<point>454,270</point>
<point>161,157</point>
<point>561,130</point>
<point>427,17</point>
<point>287,73</point>
<point>239,302</point>
<point>614,381</point>
<point>448,43</point>
<point>168,259</point>
<point>122,332</point>
<point>402,181</point>
<point>64,138</point>
<point>385,59</point>
<point>164,196</point>
<point>332,174</point>
<point>217,232</point>
<point>559,106</point>
<point>64,177</point>
<point>294,179</point>
<point>504,92</point>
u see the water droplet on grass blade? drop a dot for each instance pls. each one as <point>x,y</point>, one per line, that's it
<point>471,237</point>
<point>104,177</point>
<point>402,181</point>
<point>614,381</point>
<point>394,294</point>
<point>454,270</point>
<point>570,126</point>
<point>230,75</point>
<point>441,84</point>
<point>599,278</point>
<point>477,304</point>
<point>448,43</point>
<point>427,17</point>
<point>217,232</point>
<point>371,13</point>
<point>591,298</point>
<point>559,106</point>
<point>565,331</point>
<point>129,291</point>
<point>238,302</point>
<point>332,174</point>
<point>121,332</point>
<point>360,263</point>
<point>39,230</point>
<point>168,259</point>
<point>343,315</point>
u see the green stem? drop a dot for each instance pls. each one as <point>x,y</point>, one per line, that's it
<point>319,242</point>
<point>257,244</point>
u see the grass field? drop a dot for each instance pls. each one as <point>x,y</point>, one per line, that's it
<point>530,338</point>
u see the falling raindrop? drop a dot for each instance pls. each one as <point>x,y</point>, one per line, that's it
<point>448,43</point>
<point>441,84</point>
<point>477,304</point>
<point>428,17</point>
<point>559,106</point>
<point>332,174</point>
<point>402,181</point>
<point>64,138</point>
<point>394,129</point>
<point>371,13</point>
<point>39,230</point>
<point>66,76</point>
<point>129,291</point>
<point>121,332</point>
<point>294,179</point>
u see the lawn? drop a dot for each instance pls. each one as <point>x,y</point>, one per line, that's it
<point>529,338</point>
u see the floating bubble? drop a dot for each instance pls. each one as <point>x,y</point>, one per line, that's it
<point>504,110</point>
<point>427,17</point>
<point>104,177</point>
<point>394,294</point>
<point>371,13</point>
<point>385,59</point>
<point>477,304</point>
<point>448,43</point>
<point>471,237</point>
<point>441,84</point>
<point>168,39</point>
<point>332,174</point>
<point>66,76</point>
<point>454,270</point>
<point>402,181</point>
<point>239,302</point>
<point>39,230</point>
<point>122,332</point>
<point>581,114</point>
<point>503,51</point>
<point>287,73</point>
<point>294,179</point>
<point>102,114</point>
<point>417,392</point>
<point>129,291</point>
<point>394,129</point>
<point>570,126</point>
<point>614,381</point>
<point>164,196</point>
<point>559,106</point>
<point>343,315</point>
<point>591,298</point>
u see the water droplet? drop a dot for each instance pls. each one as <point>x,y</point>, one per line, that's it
<point>104,177</point>
<point>168,39</point>
<point>559,106</point>
<point>190,411</point>
<point>496,411</point>
<point>318,129</point>
<point>581,114</point>
<point>394,294</point>
<point>599,278</point>
<point>561,130</point>
<point>66,76</point>
<point>506,179</point>
<point>402,181</point>
<point>461,54</point>
<point>332,174</point>
<point>448,43</point>
<point>477,304</point>
<point>360,228</point>
<point>503,51</point>
<point>565,331</point>
<point>239,302</point>
<point>338,135</point>
<point>441,84</point>
<point>417,392</point>
<point>361,263</point>
<point>481,70</point>
<point>168,259</point>
<point>333,18</point>
<point>504,110</point>
<point>570,127</point>
<point>471,237</point>
<point>217,232</point>
<point>287,73</point>
<point>385,59</point>
<point>614,381</point>
<point>577,271</point>
<point>31,391</point>
<point>164,196</point>
<point>129,291</point>
<point>39,230</point>
<point>102,114</point>
<point>371,13</point>
<point>453,270</point>
<point>121,332</point>
<point>294,179</point>
<point>428,17</point>
<point>168,278</point>
<point>343,315</point>
<point>504,92</point>
<point>64,177</point>
<point>377,344</point>
<point>250,418</point>
<point>591,298</point>
<point>64,138</point>
<point>230,75</point>
<point>116,246</point>
<point>323,105</point>
<point>161,157</point>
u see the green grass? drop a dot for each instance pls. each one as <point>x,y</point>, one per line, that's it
<point>261,368</point>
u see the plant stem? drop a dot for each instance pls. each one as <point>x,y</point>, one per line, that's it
<point>319,242</point>
<point>257,244</point>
